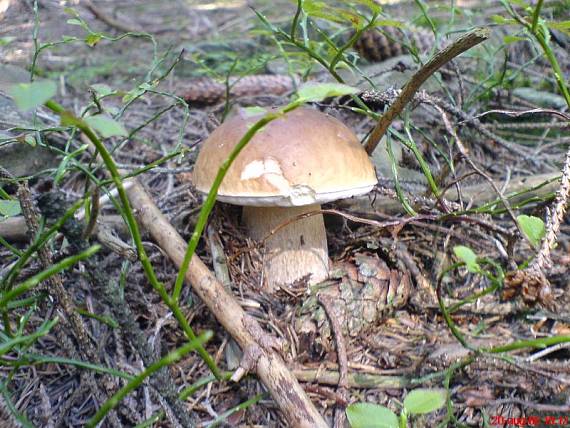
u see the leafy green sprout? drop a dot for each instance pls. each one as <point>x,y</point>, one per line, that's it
<point>417,402</point>
<point>532,227</point>
<point>326,52</point>
<point>476,265</point>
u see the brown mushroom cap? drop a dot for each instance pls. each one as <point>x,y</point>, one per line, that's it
<point>305,157</point>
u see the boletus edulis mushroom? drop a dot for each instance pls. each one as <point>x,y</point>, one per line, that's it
<point>290,167</point>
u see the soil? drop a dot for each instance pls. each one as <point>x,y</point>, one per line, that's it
<point>387,266</point>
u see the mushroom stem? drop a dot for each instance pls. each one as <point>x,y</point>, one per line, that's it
<point>296,250</point>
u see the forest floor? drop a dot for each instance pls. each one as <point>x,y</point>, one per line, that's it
<point>501,350</point>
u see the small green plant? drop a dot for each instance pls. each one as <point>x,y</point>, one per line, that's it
<point>323,34</point>
<point>417,402</point>
<point>532,227</point>
<point>467,256</point>
<point>9,208</point>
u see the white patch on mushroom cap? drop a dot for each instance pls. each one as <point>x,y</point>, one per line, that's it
<point>271,171</point>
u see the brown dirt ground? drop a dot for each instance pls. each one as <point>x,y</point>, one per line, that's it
<point>402,342</point>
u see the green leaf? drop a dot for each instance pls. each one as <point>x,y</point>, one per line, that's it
<point>71,11</point>
<point>467,256</point>
<point>532,227</point>
<point>421,400</point>
<point>134,93</point>
<point>112,110</point>
<point>368,415</point>
<point>388,23</point>
<point>512,39</point>
<point>148,86</point>
<point>560,26</point>
<point>92,39</point>
<point>370,4</point>
<point>9,208</point>
<point>6,40</point>
<point>323,10</point>
<point>30,95</point>
<point>31,140</point>
<point>74,21</point>
<point>102,89</point>
<point>520,3</point>
<point>313,92</point>
<point>106,126</point>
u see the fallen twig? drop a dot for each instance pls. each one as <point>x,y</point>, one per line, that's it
<point>268,364</point>
<point>110,21</point>
<point>476,168</point>
<point>462,44</point>
<point>339,415</point>
<point>15,229</point>
<point>354,380</point>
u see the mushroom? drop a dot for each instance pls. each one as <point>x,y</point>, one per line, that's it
<point>291,166</point>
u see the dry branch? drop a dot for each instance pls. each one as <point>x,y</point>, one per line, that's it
<point>354,380</point>
<point>107,19</point>
<point>15,229</point>
<point>339,415</point>
<point>462,44</point>
<point>268,364</point>
<point>479,193</point>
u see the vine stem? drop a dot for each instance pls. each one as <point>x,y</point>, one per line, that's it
<point>69,118</point>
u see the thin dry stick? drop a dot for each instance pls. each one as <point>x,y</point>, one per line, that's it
<point>515,113</point>
<point>550,408</point>
<point>388,97</point>
<point>424,97</point>
<point>15,229</point>
<point>339,415</point>
<point>478,170</point>
<point>462,44</point>
<point>257,345</point>
<point>110,21</point>
<point>355,380</point>
<point>361,220</point>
